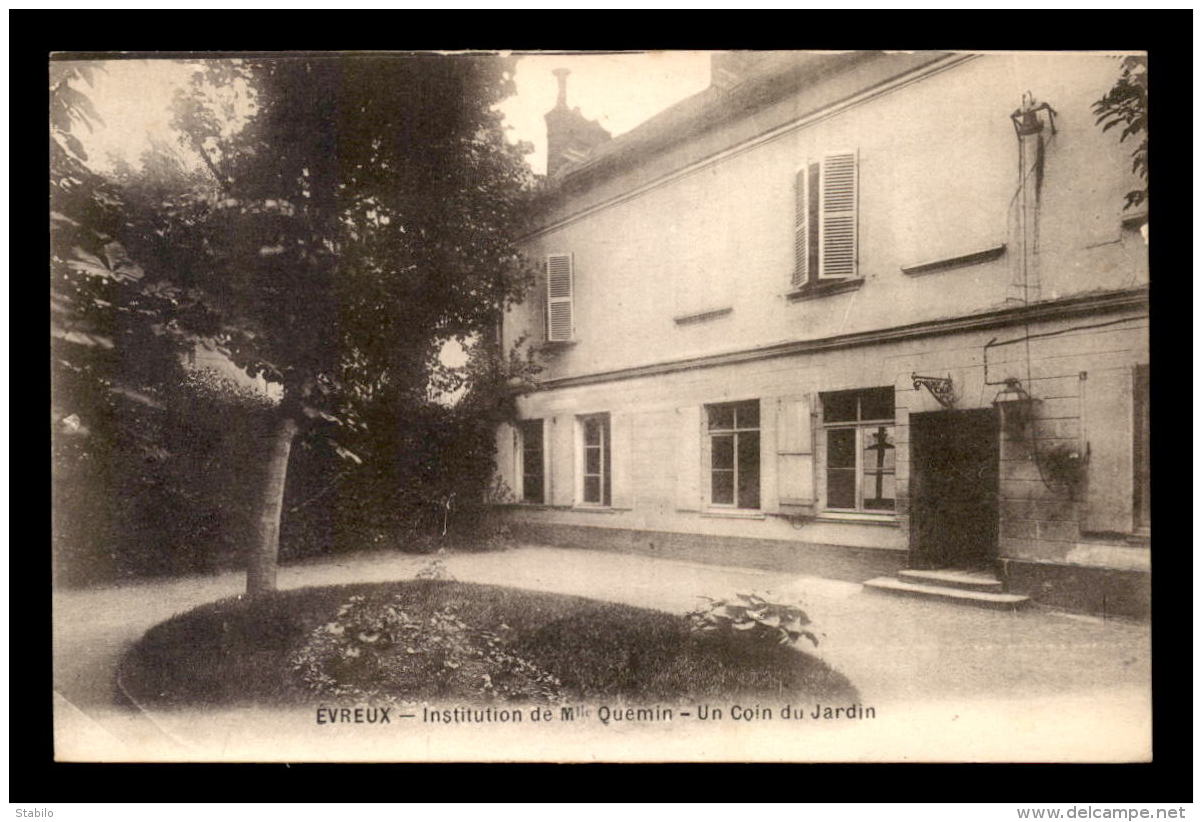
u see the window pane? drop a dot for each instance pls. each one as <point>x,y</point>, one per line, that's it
<point>592,489</point>
<point>841,488</point>
<point>749,470</point>
<point>879,450</point>
<point>592,460</point>
<point>747,414</point>
<point>839,407</point>
<point>841,448</point>
<point>592,431</point>
<point>722,452</point>
<point>722,488</point>
<point>721,416</point>
<point>876,404</point>
<point>879,492</point>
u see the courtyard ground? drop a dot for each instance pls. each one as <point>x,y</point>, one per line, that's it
<point>947,682</point>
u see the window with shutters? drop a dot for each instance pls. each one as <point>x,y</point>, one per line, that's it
<point>825,224</point>
<point>860,450</point>
<point>733,430</point>
<point>533,470</point>
<point>560,317</point>
<point>595,467</point>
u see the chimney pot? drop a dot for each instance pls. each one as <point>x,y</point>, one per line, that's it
<point>561,74</point>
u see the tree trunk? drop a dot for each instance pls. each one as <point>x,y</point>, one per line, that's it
<point>264,553</point>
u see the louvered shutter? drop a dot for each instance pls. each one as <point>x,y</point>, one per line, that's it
<point>688,458</point>
<point>837,231</point>
<point>561,440</point>
<point>795,455</point>
<point>1109,411</point>
<point>560,314</point>
<point>801,229</point>
<point>507,468</point>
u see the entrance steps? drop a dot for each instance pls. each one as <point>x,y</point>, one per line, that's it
<point>978,588</point>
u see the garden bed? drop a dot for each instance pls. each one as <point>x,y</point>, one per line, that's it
<point>432,640</point>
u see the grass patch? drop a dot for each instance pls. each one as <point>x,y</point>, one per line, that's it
<point>239,652</point>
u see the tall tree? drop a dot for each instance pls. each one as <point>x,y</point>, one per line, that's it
<point>1126,104</point>
<point>365,213</point>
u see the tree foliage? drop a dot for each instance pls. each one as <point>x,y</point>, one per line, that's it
<point>1126,105</point>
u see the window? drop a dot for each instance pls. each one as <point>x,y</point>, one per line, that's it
<point>1143,461</point>
<point>560,319</point>
<point>734,444</point>
<point>595,473</point>
<point>533,485</point>
<point>825,220</point>
<point>861,460</point>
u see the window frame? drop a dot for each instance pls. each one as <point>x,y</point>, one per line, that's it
<point>605,461</point>
<point>859,425</point>
<point>710,433</point>
<point>815,282</point>
<point>522,472</point>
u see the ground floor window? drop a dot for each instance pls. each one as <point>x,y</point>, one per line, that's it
<point>860,450</point>
<point>532,470</point>
<point>594,441</point>
<point>734,445</point>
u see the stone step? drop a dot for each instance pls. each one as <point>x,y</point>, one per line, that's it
<point>982,599</point>
<point>950,578</point>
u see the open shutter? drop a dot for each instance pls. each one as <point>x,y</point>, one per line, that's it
<point>1108,408</point>
<point>688,458</point>
<point>620,453</point>
<point>507,468</point>
<point>561,438</point>
<point>801,229</point>
<point>795,455</point>
<point>560,287</point>
<point>837,231</point>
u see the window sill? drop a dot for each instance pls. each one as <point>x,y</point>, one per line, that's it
<point>702,316</point>
<point>597,509</point>
<point>555,346</point>
<point>888,520</point>
<point>732,513</point>
<point>814,291</point>
<point>958,261</point>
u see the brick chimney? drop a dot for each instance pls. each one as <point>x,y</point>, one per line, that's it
<point>570,136</point>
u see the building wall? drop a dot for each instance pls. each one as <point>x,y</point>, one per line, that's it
<point>937,178</point>
<point>1080,371</point>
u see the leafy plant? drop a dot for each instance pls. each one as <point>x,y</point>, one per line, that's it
<point>1064,464</point>
<point>377,651</point>
<point>1126,104</point>
<point>752,618</point>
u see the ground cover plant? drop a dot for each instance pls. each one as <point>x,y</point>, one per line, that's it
<point>438,639</point>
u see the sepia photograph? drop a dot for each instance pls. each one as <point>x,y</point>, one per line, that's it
<point>563,406</point>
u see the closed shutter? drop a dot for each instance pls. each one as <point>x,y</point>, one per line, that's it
<point>1108,409</point>
<point>837,232</point>
<point>507,469</point>
<point>795,455</point>
<point>620,454</point>
<point>801,229</point>
<point>560,314</point>
<point>562,441</point>
<point>688,458</point>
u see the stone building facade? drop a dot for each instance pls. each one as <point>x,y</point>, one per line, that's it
<point>847,314</point>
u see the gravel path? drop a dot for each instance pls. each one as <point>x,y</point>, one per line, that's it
<point>898,652</point>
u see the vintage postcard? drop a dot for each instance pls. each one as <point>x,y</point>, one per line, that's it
<point>743,406</point>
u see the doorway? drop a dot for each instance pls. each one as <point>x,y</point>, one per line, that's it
<point>954,489</point>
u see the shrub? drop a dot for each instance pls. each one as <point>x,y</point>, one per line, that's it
<point>376,651</point>
<point>752,618</point>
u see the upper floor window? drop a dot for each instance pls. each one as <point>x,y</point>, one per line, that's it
<point>734,445</point>
<point>594,450</point>
<point>561,287</point>
<point>825,241</point>
<point>860,450</point>
<point>532,463</point>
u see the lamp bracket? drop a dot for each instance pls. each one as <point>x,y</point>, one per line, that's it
<point>940,388</point>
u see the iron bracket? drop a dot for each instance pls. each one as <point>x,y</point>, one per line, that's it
<point>940,388</point>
